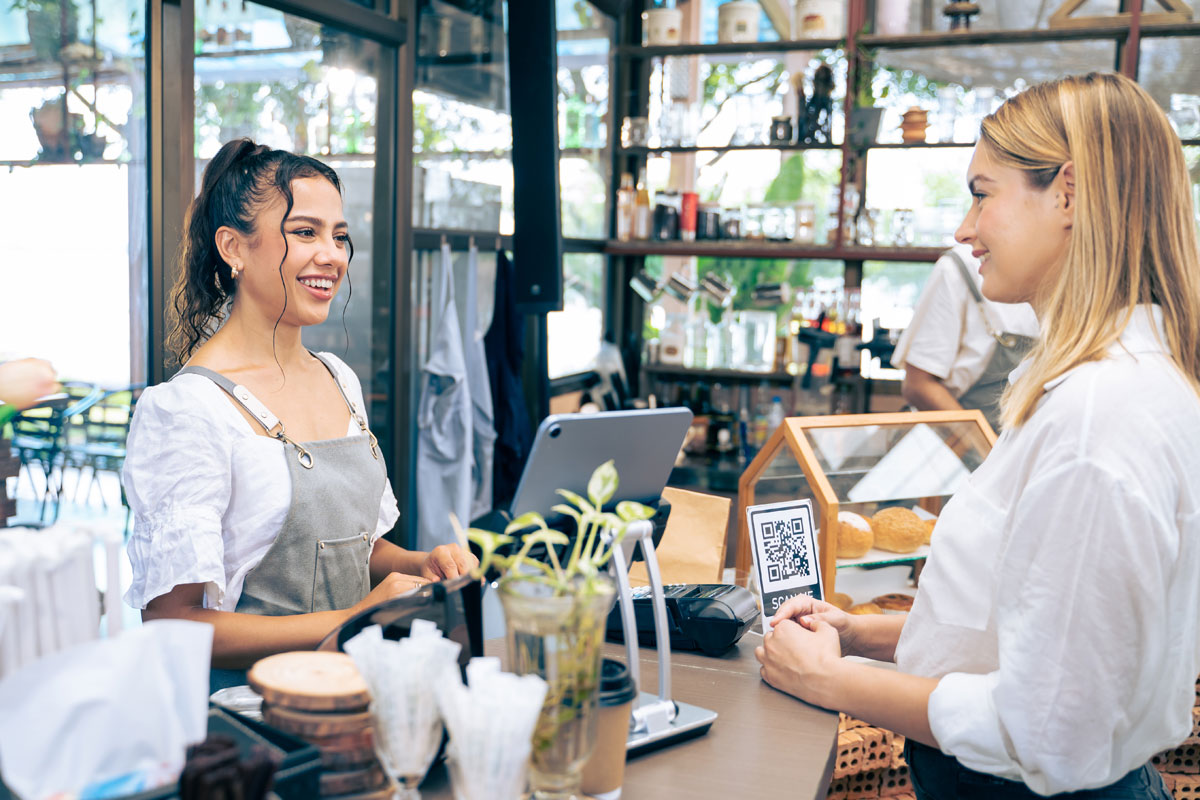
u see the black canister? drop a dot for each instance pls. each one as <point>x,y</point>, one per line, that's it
<point>708,221</point>
<point>666,222</point>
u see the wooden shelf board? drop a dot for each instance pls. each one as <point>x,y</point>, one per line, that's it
<point>672,371</point>
<point>977,37</point>
<point>725,148</point>
<point>725,48</point>
<point>766,249</point>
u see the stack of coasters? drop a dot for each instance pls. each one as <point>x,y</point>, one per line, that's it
<point>322,698</point>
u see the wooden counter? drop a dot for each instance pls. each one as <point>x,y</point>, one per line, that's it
<point>764,743</point>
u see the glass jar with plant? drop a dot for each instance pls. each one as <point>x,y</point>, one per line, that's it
<point>556,596</point>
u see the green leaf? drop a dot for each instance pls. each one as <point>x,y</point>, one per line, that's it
<point>603,484</point>
<point>527,520</point>
<point>487,540</point>
<point>582,504</point>
<point>629,511</point>
<point>548,537</point>
<point>563,508</point>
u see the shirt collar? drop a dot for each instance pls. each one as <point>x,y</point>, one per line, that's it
<point>1145,333</point>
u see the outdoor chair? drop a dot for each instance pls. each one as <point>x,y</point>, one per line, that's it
<point>95,440</point>
<point>39,438</point>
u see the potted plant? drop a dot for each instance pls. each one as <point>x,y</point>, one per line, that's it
<point>52,25</point>
<point>556,609</point>
<point>865,118</point>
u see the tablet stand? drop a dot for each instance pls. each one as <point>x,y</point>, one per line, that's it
<point>657,719</point>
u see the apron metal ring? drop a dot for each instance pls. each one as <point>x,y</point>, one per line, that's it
<point>305,457</point>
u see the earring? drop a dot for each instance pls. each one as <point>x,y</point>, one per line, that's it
<point>234,269</point>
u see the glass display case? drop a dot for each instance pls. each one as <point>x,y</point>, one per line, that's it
<point>862,463</point>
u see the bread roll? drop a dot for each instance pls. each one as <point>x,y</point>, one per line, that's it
<point>894,601</point>
<point>864,608</point>
<point>854,535</point>
<point>842,601</point>
<point>929,523</point>
<point>898,530</point>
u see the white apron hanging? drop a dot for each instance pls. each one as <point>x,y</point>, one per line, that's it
<point>444,431</point>
<point>483,430</point>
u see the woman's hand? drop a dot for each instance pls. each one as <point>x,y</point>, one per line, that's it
<point>393,585</point>
<point>808,611</point>
<point>448,561</point>
<point>802,662</point>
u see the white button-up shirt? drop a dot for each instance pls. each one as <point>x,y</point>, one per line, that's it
<point>1059,606</point>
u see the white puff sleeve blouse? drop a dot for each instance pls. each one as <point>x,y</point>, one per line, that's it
<point>208,493</point>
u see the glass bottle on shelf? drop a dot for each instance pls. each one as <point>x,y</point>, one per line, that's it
<point>626,201</point>
<point>672,341</point>
<point>642,215</point>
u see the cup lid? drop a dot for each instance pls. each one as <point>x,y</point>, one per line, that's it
<point>616,685</point>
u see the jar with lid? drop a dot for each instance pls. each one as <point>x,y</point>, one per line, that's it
<point>752,221</point>
<point>731,223</point>
<point>708,221</point>
<point>806,223</point>
<point>781,130</point>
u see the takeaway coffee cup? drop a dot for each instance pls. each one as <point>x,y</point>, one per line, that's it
<point>605,769</point>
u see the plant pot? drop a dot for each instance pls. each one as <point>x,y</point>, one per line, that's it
<point>47,32</point>
<point>863,130</point>
<point>559,638</point>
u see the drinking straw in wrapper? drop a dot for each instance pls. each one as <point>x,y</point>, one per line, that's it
<point>491,723</point>
<point>402,676</point>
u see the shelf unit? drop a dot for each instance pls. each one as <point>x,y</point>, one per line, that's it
<point>631,88</point>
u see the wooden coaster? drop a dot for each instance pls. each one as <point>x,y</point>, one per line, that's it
<point>382,793</point>
<point>314,723</point>
<point>347,758</point>
<point>357,740</point>
<point>347,781</point>
<point>310,681</point>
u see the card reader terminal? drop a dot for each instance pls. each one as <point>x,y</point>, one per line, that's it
<point>710,617</point>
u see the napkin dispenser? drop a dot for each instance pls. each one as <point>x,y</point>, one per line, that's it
<point>709,617</point>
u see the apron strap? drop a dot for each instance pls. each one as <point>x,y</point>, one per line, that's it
<point>358,416</point>
<point>1006,340</point>
<point>241,395</point>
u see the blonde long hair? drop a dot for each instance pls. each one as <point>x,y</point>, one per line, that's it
<point>1134,237</point>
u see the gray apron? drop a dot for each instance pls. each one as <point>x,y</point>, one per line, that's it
<point>985,393</point>
<point>319,560</point>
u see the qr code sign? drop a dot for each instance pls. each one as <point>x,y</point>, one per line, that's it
<point>785,550</point>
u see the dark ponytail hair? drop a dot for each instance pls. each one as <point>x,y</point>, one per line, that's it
<point>236,184</point>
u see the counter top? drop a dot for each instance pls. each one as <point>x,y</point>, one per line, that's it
<point>764,743</point>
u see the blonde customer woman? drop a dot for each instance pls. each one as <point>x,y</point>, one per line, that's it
<point>1053,645</point>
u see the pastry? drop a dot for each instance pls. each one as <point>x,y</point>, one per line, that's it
<point>864,608</point>
<point>929,523</point>
<point>898,530</point>
<point>894,601</point>
<point>842,601</point>
<point>854,535</point>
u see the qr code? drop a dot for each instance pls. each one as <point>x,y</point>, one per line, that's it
<point>785,550</point>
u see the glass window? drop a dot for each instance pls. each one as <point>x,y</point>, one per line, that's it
<point>959,86</point>
<point>897,17</point>
<point>890,290</point>
<point>717,100</point>
<point>584,43</point>
<point>917,197</point>
<point>298,85</point>
<point>462,129</point>
<point>1169,69</point>
<point>573,335</point>
<point>73,151</point>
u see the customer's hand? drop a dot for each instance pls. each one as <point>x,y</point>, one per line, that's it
<point>448,561</point>
<point>23,381</point>
<point>802,662</point>
<point>808,611</point>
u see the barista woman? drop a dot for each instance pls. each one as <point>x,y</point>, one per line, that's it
<point>259,492</point>
<point>1054,642</point>
<point>960,347</point>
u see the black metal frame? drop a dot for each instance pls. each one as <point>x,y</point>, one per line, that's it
<point>170,121</point>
